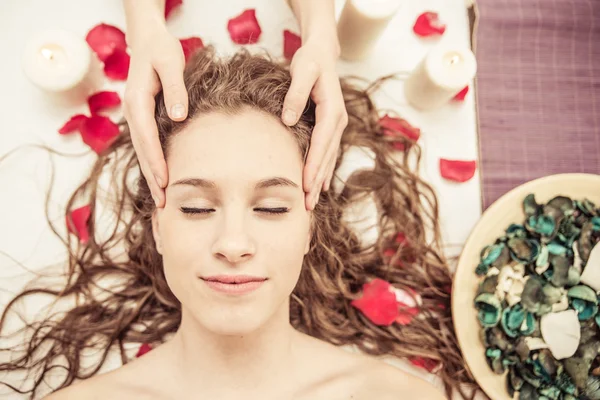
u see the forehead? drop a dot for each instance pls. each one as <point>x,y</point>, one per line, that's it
<point>248,144</point>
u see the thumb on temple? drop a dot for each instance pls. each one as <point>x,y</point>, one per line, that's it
<point>304,75</point>
<point>170,74</point>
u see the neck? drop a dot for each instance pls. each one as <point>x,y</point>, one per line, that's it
<point>236,362</point>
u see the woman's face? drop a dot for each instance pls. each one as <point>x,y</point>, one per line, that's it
<point>234,230</point>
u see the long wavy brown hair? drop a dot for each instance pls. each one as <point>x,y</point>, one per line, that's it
<point>140,308</point>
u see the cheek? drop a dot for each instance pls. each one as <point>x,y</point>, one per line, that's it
<point>181,247</point>
<point>286,245</point>
<point>181,240</point>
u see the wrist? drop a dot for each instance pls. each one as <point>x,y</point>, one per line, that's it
<point>143,21</point>
<point>317,20</point>
<point>137,34</point>
<point>324,39</point>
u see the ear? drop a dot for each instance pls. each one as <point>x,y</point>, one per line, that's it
<point>156,231</point>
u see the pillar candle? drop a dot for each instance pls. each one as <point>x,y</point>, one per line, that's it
<point>61,63</point>
<point>443,73</point>
<point>361,24</point>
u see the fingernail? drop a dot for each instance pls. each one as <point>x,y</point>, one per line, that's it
<point>159,180</point>
<point>289,116</point>
<point>177,111</point>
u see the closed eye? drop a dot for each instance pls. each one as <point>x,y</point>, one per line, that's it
<point>278,210</point>
<point>192,210</point>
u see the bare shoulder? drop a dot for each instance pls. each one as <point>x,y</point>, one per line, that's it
<point>82,390</point>
<point>386,382</point>
<point>344,374</point>
<point>118,384</point>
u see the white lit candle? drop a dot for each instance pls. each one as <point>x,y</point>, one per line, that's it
<point>361,23</point>
<point>62,63</point>
<point>439,77</point>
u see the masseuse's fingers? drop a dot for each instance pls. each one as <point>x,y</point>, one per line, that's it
<point>336,147</point>
<point>330,171</point>
<point>323,146</point>
<point>304,72</point>
<point>331,120</point>
<point>170,72</point>
<point>324,175</point>
<point>142,86</point>
<point>312,197</point>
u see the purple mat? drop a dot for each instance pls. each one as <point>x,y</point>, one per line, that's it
<point>538,90</point>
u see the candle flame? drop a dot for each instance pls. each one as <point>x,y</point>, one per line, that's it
<point>453,58</point>
<point>47,53</point>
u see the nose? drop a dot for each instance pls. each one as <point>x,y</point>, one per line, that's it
<point>233,241</point>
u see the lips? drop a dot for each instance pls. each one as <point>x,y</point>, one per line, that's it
<point>234,279</point>
<point>234,284</point>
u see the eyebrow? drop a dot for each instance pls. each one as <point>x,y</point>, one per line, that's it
<point>262,184</point>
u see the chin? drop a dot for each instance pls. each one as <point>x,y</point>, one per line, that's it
<point>232,322</point>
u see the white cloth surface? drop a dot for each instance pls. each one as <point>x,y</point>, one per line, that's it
<point>28,117</point>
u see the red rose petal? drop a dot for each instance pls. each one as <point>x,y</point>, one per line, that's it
<point>77,221</point>
<point>291,44</point>
<point>170,5</point>
<point>102,100</point>
<point>406,314</point>
<point>99,132</point>
<point>378,302</point>
<point>73,124</point>
<point>116,66</point>
<point>460,96</point>
<point>425,363</point>
<point>190,45</point>
<point>244,28</point>
<point>457,170</point>
<point>429,24</point>
<point>144,348</point>
<point>104,39</point>
<point>389,253</point>
<point>400,238</point>
<point>396,127</point>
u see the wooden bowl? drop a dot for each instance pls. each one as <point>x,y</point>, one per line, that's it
<point>505,211</point>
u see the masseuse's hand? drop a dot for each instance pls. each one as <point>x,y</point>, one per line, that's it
<point>157,61</point>
<point>313,74</point>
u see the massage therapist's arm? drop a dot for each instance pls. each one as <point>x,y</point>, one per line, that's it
<point>157,62</point>
<point>313,74</point>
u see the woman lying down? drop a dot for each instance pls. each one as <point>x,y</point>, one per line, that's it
<point>239,290</point>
